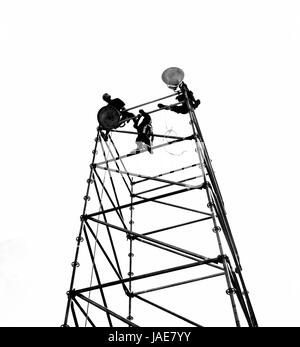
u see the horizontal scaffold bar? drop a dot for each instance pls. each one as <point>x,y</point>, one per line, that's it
<point>177,225</point>
<point>145,150</point>
<point>177,183</point>
<point>150,112</point>
<point>179,283</point>
<point>173,205</point>
<point>144,200</point>
<point>147,275</point>
<point>168,173</point>
<point>152,101</point>
<point>155,135</point>
<point>168,185</point>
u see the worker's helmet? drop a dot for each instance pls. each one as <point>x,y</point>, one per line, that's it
<point>106,97</point>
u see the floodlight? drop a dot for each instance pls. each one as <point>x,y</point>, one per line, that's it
<point>173,76</point>
<point>109,117</point>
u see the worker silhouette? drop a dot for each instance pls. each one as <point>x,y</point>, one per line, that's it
<point>120,106</point>
<point>117,103</point>
<point>183,107</point>
<point>143,125</point>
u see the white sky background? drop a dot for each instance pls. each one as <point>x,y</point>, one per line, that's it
<point>241,58</point>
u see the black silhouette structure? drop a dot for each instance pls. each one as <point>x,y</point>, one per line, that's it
<point>108,235</point>
<point>182,105</point>
<point>143,125</point>
<point>113,115</point>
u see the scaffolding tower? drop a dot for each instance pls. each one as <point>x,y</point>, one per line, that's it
<point>156,248</point>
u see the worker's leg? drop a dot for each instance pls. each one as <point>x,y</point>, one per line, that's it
<point>183,109</point>
<point>147,142</point>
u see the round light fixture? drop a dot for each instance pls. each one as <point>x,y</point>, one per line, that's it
<point>173,76</point>
<point>109,117</point>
